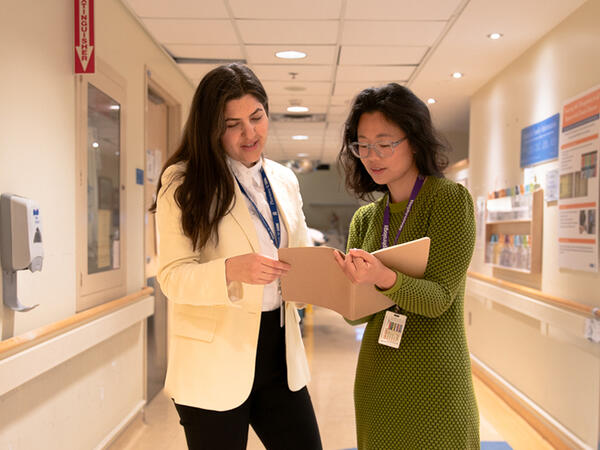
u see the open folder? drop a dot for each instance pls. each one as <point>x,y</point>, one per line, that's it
<point>316,278</point>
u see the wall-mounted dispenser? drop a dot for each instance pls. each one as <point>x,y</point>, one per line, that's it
<point>20,244</point>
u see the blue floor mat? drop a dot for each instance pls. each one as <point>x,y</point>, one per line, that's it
<point>495,445</point>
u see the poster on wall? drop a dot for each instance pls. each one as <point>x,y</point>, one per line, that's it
<point>579,188</point>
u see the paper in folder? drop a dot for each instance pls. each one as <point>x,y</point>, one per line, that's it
<point>317,279</point>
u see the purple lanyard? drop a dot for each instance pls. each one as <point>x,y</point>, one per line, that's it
<point>385,233</point>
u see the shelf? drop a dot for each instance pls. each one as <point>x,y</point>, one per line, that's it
<point>534,204</point>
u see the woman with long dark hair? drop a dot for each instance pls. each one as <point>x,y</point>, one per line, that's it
<point>236,354</point>
<point>413,386</point>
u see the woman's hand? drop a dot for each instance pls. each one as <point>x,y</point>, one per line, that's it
<point>362,267</point>
<point>253,268</point>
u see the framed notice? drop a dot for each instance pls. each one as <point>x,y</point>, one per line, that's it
<point>578,182</point>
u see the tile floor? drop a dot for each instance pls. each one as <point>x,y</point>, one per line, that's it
<point>332,348</point>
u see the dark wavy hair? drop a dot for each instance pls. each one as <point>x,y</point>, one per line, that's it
<point>400,106</point>
<point>206,193</point>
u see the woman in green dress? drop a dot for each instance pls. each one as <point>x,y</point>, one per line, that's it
<point>413,387</point>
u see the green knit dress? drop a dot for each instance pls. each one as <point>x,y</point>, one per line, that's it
<point>420,396</point>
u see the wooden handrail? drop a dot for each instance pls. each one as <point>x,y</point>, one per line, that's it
<point>530,292</point>
<point>18,343</point>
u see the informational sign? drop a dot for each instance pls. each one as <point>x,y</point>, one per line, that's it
<point>579,188</point>
<point>84,36</point>
<point>539,142</point>
<point>546,176</point>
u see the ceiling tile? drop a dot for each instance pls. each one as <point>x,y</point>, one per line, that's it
<point>196,71</point>
<point>315,54</point>
<point>277,9</point>
<point>301,73</point>
<point>306,100</point>
<point>374,73</point>
<point>381,55</point>
<point>181,31</point>
<point>352,89</point>
<point>206,51</point>
<point>341,100</point>
<point>288,129</point>
<point>401,9</point>
<point>288,31</point>
<point>312,87</point>
<point>337,110</point>
<point>391,33</point>
<point>336,117</point>
<point>179,9</point>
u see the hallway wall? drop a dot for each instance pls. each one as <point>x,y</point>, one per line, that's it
<point>37,133</point>
<point>558,370</point>
<point>37,160</point>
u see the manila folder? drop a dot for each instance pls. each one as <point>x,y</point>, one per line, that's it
<point>316,278</point>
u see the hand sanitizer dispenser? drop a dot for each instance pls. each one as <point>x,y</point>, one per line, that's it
<point>20,244</point>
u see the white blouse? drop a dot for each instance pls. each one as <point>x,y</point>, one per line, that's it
<point>251,179</point>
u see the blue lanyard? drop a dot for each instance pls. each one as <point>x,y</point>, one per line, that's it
<point>275,237</point>
<point>385,232</point>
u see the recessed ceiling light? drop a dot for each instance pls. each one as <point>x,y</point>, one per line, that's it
<point>300,137</point>
<point>457,75</point>
<point>297,109</point>
<point>302,155</point>
<point>95,145</point>
<point>290,54</point>
<point>495,35</point>
<point>115,107</point>
<point>431,101</point>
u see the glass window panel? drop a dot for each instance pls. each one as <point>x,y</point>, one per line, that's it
<point>103,189</point>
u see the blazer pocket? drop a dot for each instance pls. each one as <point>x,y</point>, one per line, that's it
<point>194,326</point>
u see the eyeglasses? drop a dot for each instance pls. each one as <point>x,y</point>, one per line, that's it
<point>382,149</point>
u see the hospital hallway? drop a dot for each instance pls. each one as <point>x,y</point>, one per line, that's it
<point>332,348</point>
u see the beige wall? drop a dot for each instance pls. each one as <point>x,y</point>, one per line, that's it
<point>557,370</point>
<point>37,138</point>
<point>37,160</point>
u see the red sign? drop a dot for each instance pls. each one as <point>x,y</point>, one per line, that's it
<point>84,36</point>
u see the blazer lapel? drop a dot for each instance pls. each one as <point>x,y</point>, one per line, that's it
<point>242,216</point>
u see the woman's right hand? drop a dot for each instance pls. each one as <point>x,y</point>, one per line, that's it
<point>253,268</point>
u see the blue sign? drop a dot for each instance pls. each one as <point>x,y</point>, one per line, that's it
<point>539,142</point>
<point>139,176</point>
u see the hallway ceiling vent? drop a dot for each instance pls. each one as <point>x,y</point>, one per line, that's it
<point>297,118</point>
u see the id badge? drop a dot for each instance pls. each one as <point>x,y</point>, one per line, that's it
<point>392,328</point>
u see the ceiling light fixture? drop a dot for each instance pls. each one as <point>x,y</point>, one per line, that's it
<point>290,54</point>
<point>431,101</point>
<point>495,36</point>
<point>115,107</point>
<point>457,75</point>
<point>297,109</point>
<point>300,137</point>
<point>95,145</point>
<point>302,155</point>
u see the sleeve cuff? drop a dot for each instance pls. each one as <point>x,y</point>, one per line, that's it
<point>397,285</point>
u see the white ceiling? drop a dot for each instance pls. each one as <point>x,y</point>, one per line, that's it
<point>351,45</point>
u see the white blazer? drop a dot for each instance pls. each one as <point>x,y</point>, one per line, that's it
<point>213,340</point>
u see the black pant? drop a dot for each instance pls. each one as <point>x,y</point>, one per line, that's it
<point>282,419</point>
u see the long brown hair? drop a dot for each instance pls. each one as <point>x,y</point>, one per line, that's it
<point>400,106</point>
<point>206,193</point>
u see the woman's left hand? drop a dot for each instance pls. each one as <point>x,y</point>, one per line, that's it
<point>362,267</point>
